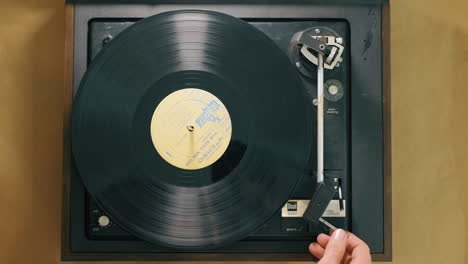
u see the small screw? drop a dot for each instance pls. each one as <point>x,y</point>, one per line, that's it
<point>106,40</point>
<point>322,47</point>
<point>315,102</point>
<point>298,64</point>
<point>317,30</point>
<point>190,128</point>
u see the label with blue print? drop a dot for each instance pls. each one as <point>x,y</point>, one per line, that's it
<point>191,129</point>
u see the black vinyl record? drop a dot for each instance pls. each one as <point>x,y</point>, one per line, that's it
<point>266,150</point>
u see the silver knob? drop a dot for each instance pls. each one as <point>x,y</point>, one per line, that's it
<point>103,221</point>
<point>333,89</point>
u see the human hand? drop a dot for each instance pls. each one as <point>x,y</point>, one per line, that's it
<point>340,248</point>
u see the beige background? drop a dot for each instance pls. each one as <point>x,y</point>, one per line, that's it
<point>430,129</point>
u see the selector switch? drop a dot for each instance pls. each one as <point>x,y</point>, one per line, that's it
<point>334,90</point>
<point>103,221</point>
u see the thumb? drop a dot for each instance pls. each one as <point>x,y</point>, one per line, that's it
<point>335,249</point>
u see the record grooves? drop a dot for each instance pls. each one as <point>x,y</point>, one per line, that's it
<point>206,206</point>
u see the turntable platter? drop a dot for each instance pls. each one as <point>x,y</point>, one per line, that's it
<point>191,129</point>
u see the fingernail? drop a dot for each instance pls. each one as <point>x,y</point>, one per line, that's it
<point>339,234</point>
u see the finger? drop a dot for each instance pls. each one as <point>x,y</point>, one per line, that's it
<point>354,241</point>
<point>361,255</point>
<point>347,258</point>
<point>323,239</point>
<point>316,250</point>
<point>336,248</point>
<point>359,250</point>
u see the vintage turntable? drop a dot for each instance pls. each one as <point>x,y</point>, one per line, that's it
<point>205,130</point>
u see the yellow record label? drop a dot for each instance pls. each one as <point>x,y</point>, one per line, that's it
<point>191,129</point>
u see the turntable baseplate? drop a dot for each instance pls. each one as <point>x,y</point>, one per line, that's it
<point>286,228</point>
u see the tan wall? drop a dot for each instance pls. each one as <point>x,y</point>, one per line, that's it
<point>430,129</point>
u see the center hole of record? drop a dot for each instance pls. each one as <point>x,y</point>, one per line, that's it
<point>191,129</point>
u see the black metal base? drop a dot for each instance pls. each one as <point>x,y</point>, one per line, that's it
<point>354,137</point>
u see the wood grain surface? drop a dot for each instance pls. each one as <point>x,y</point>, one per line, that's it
<point>429,136</point>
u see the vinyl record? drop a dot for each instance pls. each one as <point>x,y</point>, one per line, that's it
<point>191,129</point>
